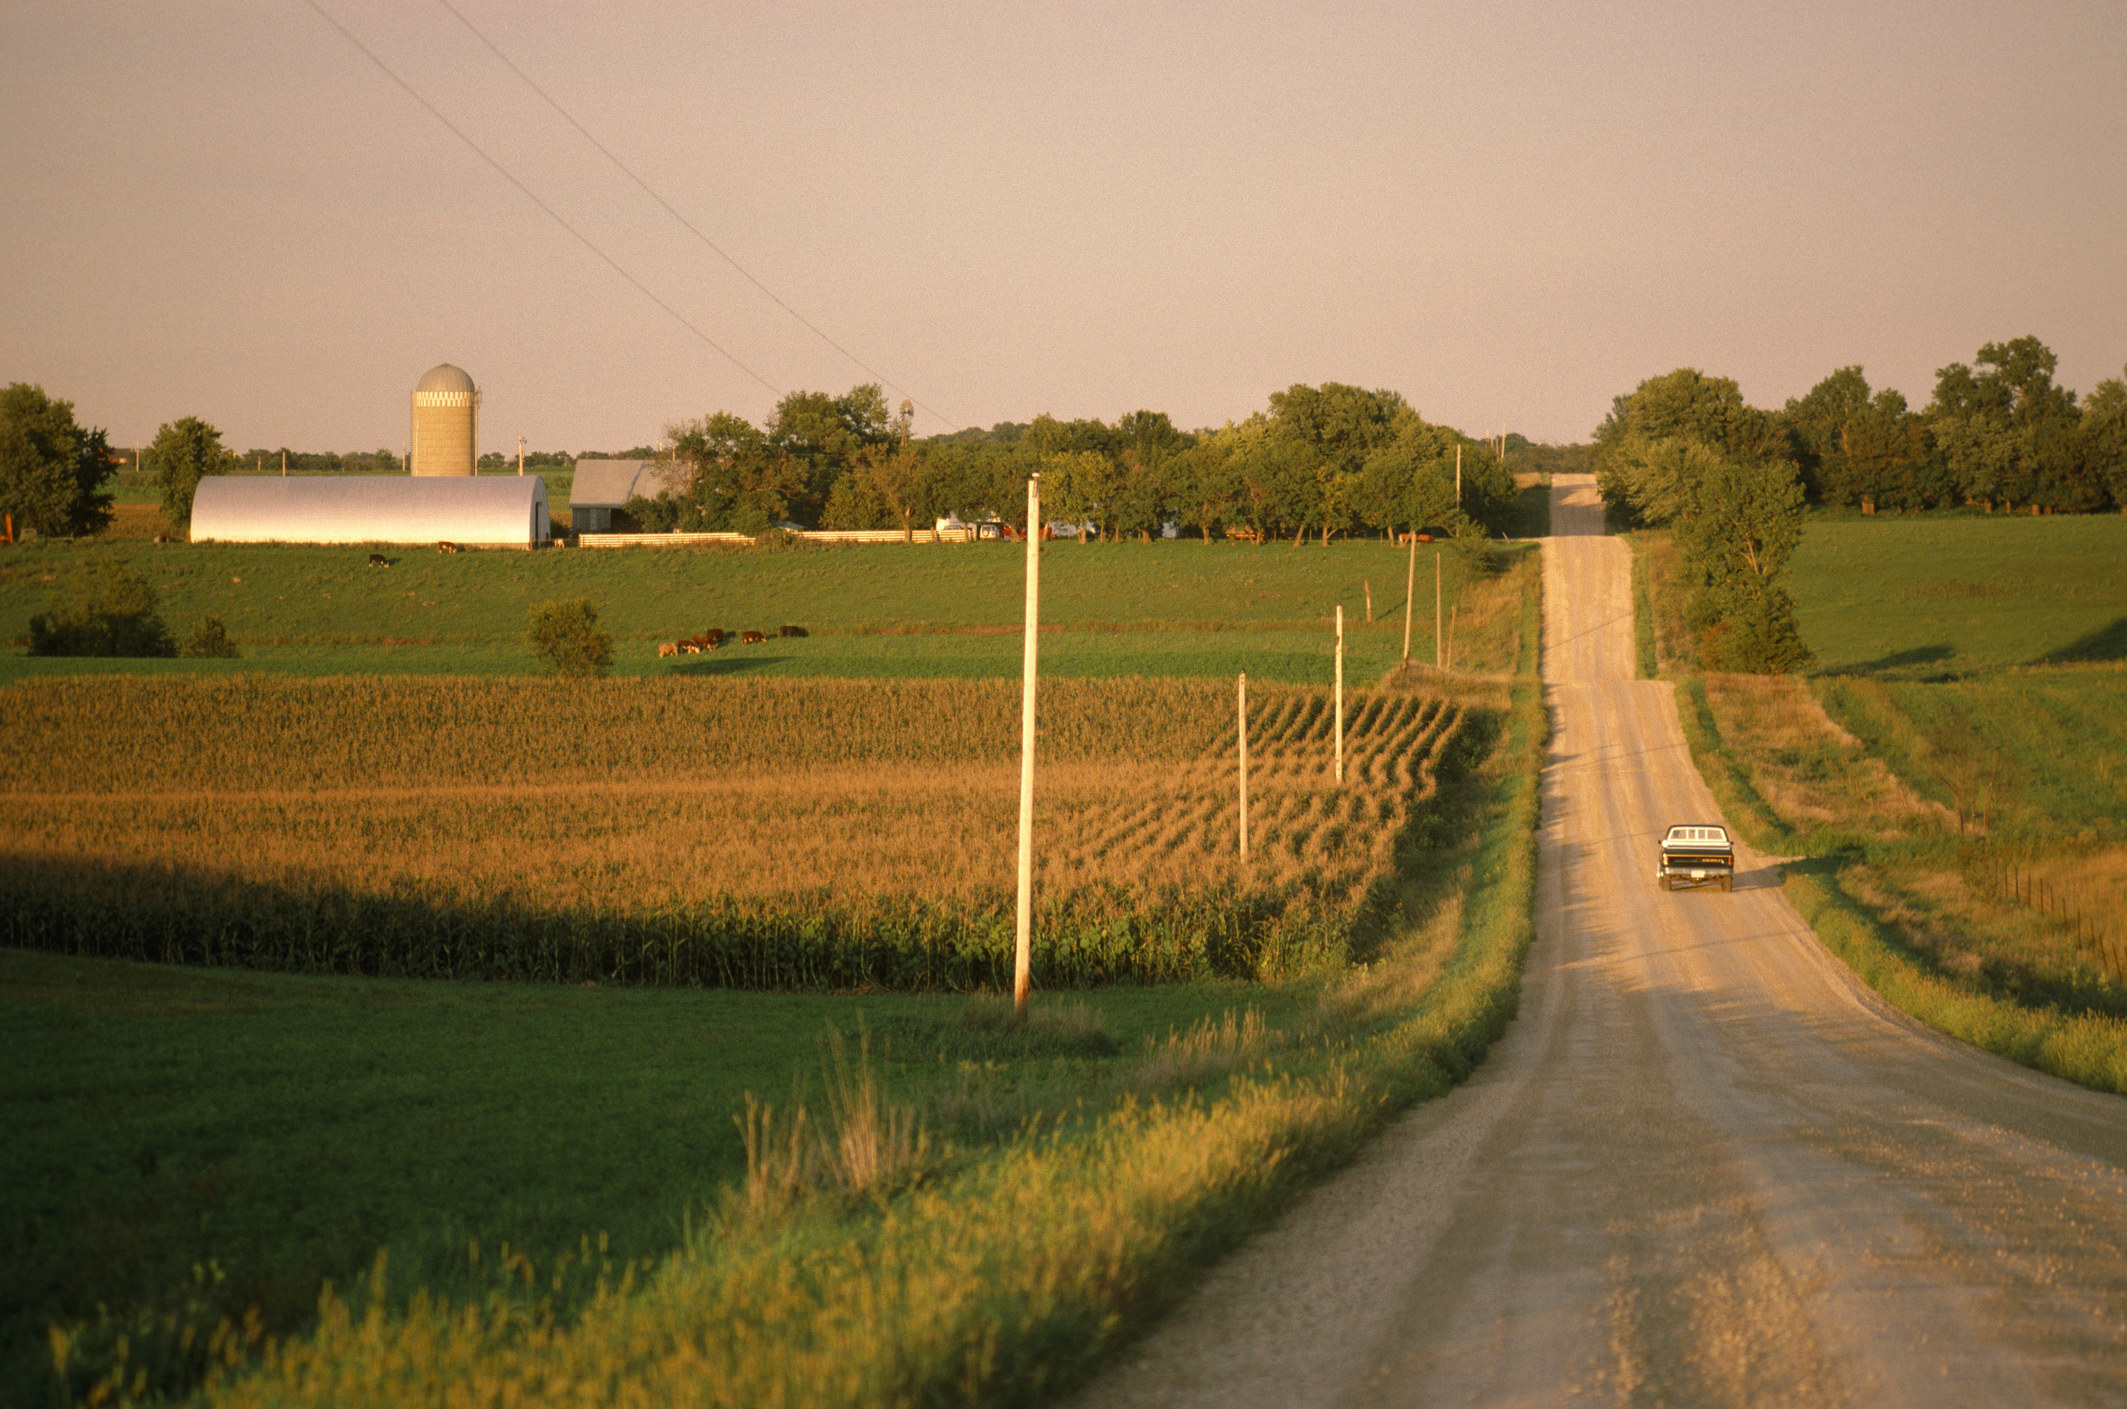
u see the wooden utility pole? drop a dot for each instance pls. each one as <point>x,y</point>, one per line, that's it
<point>1458,478</point>
<point>284,464</point>
<point>1340,692</point>
<point>520,457</point>
<point>1438,660</point>
<point>1023,960</point>
<point>1410,589</point>
<point>1241,705</point>
<point>1369,602</point>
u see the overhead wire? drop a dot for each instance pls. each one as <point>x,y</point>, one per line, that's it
<point>533,197</point>
<point>691,228</point>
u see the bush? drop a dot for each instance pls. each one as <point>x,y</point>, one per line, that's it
<point>566,638</point>
<point>210,640</point>
<point>109,611</point>
<point>1756,637</point>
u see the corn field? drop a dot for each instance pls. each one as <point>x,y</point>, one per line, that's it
<point>800,834</point>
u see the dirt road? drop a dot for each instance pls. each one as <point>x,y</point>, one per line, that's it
<point>1705,1166</point>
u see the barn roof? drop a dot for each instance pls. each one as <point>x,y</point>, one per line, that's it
<point>497,510</point>
<point>610,484</point>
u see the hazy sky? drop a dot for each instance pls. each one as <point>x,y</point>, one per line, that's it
<point>1509,212</point>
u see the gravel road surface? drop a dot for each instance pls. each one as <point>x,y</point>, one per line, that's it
<point>1705,1166</point>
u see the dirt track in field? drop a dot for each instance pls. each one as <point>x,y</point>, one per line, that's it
<point>1704,1167</point>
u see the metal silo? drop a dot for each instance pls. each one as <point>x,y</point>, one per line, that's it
<point>446,434</point>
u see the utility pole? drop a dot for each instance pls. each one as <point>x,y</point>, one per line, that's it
<point>1458,479</point>
<point>1410,589</point>
<point>284,464</point>
<point>520,457</point>
<point>1023,960</point>
<point>1241,705</point>
<point>1437,659</point>
<point>1340,692</point>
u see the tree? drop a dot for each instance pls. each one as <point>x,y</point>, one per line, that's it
<point>52,472</point>
<point>183,453</point>
<point>1817,424</point>
<point>566,638</point>
<point>1684,405</point>
<point>741,483</point>
<point>2104,433</point>
<point>108,610</point>
<point>822,437</point>
<point>2008,435</point>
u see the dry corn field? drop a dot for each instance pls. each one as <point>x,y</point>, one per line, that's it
<point>802,833</point>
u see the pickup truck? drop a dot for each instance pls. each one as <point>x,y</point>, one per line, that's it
<point>1695,854</point>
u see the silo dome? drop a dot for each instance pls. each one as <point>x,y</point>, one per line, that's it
<point>446,422</point>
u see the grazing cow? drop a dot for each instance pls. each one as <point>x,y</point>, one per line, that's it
<point>712,642</point>
<point>752,638</point>
<point>714,633</point>
<point>669,648</point>
<point>690,648</point>
<point>378,560</point>
<point>446,547</point>
<point>793,631</point>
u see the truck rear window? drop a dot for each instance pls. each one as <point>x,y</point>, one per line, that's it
<point>1718,835</point>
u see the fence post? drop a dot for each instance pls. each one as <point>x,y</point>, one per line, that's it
<point>1023,958</point>
<point>1410,589</point>
<point>1340,692</point>
<point>1241,705</point>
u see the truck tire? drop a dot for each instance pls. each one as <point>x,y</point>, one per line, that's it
<point>1727,884</point>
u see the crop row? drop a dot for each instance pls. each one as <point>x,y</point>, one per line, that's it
<point>715,869</point>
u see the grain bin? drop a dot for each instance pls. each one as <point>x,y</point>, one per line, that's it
<point>446,430</point>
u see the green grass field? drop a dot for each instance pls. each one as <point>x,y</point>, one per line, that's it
<point>287,1127</point>
<point>1176,608</point>
<point>1920,596</point>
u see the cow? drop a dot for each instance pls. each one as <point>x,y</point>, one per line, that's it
<point>790,631</point>
<point>446,547</point>
<point>752,638</point>
<point>668,648</point>
<point>378,560</point>
<point>689,648</point>
<point>714,633</point>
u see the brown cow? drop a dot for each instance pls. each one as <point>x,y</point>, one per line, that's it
<point>792,631</point>
<point>446,547</point>
<point>752,638</point>
<point>689,648</point>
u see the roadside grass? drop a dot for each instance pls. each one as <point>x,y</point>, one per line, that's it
<point>1125,608</point>
<point>1925,596</point>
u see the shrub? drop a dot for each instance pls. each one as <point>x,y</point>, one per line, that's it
<point>566,638</point>
<point>1757,637</point>
<point>210,640</point>
<point>109,611</point>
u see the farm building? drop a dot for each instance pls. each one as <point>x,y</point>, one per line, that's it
<point>496,511</point>
<point>445,430</point>
<point>603,487</point>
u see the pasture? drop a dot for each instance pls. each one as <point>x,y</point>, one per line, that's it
<point>1934,595</point>
<point>1167,608</point>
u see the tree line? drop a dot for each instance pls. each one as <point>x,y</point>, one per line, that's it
<point>1316,463</point>
<point>1999,434</point>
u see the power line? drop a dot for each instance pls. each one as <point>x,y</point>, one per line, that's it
<point>529,195</point>
<point>687,224</point>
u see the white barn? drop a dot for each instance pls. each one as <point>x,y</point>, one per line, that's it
<point>602,486</point>
<point>501,511</point>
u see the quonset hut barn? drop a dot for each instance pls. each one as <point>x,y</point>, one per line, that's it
<point>491,511</point>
